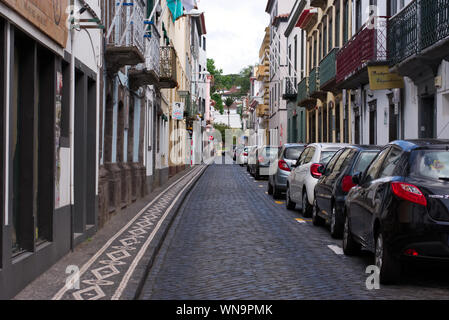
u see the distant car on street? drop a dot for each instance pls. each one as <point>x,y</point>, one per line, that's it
<point>281,168</point>
<point>399,208</point>
<point>260,161</point>
<point>336,182</point>
<point>304,176</point>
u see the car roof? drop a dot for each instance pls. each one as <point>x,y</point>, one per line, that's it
<point>332,146</point>
<point>365,147</point>
<point>292,145</point>
<point>409,145</point>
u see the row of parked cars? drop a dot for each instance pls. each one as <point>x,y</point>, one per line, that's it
<point>391,200</point>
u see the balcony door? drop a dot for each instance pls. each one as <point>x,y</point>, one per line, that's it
<point>427,117</point>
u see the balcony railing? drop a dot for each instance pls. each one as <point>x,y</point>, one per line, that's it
<point>289,90</point>
<point>420,25</point>
<point>314,80</point>
<point>328,69</point>
<point>168,68</point>
<point>303,90</point>
<point>368,45</point>
<point>125,32</point>
<point>403,34</point>
<point>148,73</point>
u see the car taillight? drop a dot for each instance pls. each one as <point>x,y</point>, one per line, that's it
<point>409,192</point>
<point>314,170</point>
<point>261,159</point>
<point>347,184</point>
<point>245,154</point>
<point>283,165</point>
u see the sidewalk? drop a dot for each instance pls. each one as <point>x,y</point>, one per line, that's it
<point>113,262</point>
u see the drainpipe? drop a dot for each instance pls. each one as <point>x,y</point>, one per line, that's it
<point>72,123</point>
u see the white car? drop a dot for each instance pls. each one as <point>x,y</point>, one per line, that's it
<point>301,182</point>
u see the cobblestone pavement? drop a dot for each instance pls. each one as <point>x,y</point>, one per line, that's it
<point>232,241</point>
<point>107,274</point>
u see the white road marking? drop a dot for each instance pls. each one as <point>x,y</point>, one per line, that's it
<point>336,249</point>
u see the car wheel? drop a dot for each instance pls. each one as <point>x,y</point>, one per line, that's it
<point>306,207</point>
<point>257,174</point>
<point>276,192</point>
<point>289,203</point>
<point>390,267</point>
<point>247,168</point>
<point>316,219</point>
<point>350,247</point>
<point>270,188</point>
<point>335,224</point>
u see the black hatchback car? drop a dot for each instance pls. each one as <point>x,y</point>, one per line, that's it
<point>335,183</point>
<point>400,207</point>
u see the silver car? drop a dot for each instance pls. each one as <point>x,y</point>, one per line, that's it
<point>281,168</point>
<point>302,180</point>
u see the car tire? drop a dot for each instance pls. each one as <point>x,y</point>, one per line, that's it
<point>316,219</point>
<point>335,224</point>
<point>276,192</point>
<point>257,174</point>
<point>350,246</point>
<point>289,203</point>
<point>306,206</point>
<point>270,188</point>
<point>389,266</point>
<point>247,168</point>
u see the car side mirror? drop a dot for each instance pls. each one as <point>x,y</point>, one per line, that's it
<point>357,178</point>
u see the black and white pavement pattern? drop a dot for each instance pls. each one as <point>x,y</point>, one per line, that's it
<point>231,240</point>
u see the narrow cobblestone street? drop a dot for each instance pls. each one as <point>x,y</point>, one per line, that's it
<point>232,241</point>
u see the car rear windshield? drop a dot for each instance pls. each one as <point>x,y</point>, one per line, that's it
<point>365,159</point>
<point>326,156</point>
<point>271,152</point>
<point>293,153</point>
<point>432,164</point>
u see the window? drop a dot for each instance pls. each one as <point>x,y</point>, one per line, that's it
<point>302,55</point>
<point>331,31</point>
<point>391,163</point>
<point>325,38</point>
<point>333,161</point>
<point>310,155</point>
<point>358,15</point>
<point>337,24</point>
<point>293,153</point>
<point>374,168</point>
<point>365,158</point>
<point>302,157</point>
<point>346,22</point>
<point>430,164</point>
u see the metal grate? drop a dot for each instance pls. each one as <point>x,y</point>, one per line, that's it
<point>328,69</point>
<point>168,63</point>
<point>369,44</point>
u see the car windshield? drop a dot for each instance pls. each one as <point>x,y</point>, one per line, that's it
<point>366,157</point>
<point>293,153</point>
<point>271,152</point>
<point>326,156</point>
<point>432,164</point>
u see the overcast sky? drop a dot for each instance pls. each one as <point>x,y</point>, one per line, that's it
<point>235,30</point>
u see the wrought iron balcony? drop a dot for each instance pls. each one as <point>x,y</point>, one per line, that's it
<point>420,30</point>
<point>168,68</point>
<point>125,33</point>
<point>328,71</point>
<point>289,90</point>
<point>148,73</point>
<point>367,47</point>
<point>314,81</point>
<point>303,90</point>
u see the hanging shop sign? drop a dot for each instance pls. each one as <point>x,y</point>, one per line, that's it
<point>49,16</point>
<point>178,111</point>
<point>380,78</point>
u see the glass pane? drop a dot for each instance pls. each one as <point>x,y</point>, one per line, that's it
<point>293,153</point>
<point>431,164</point>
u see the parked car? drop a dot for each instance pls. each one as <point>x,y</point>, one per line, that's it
<point>261,159</point>
<point>399,208</point>
<point>335,183</point>
<point>250,157</point>
<point>304,176</point>
<point>281,168</point>
<point>237,151</point>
